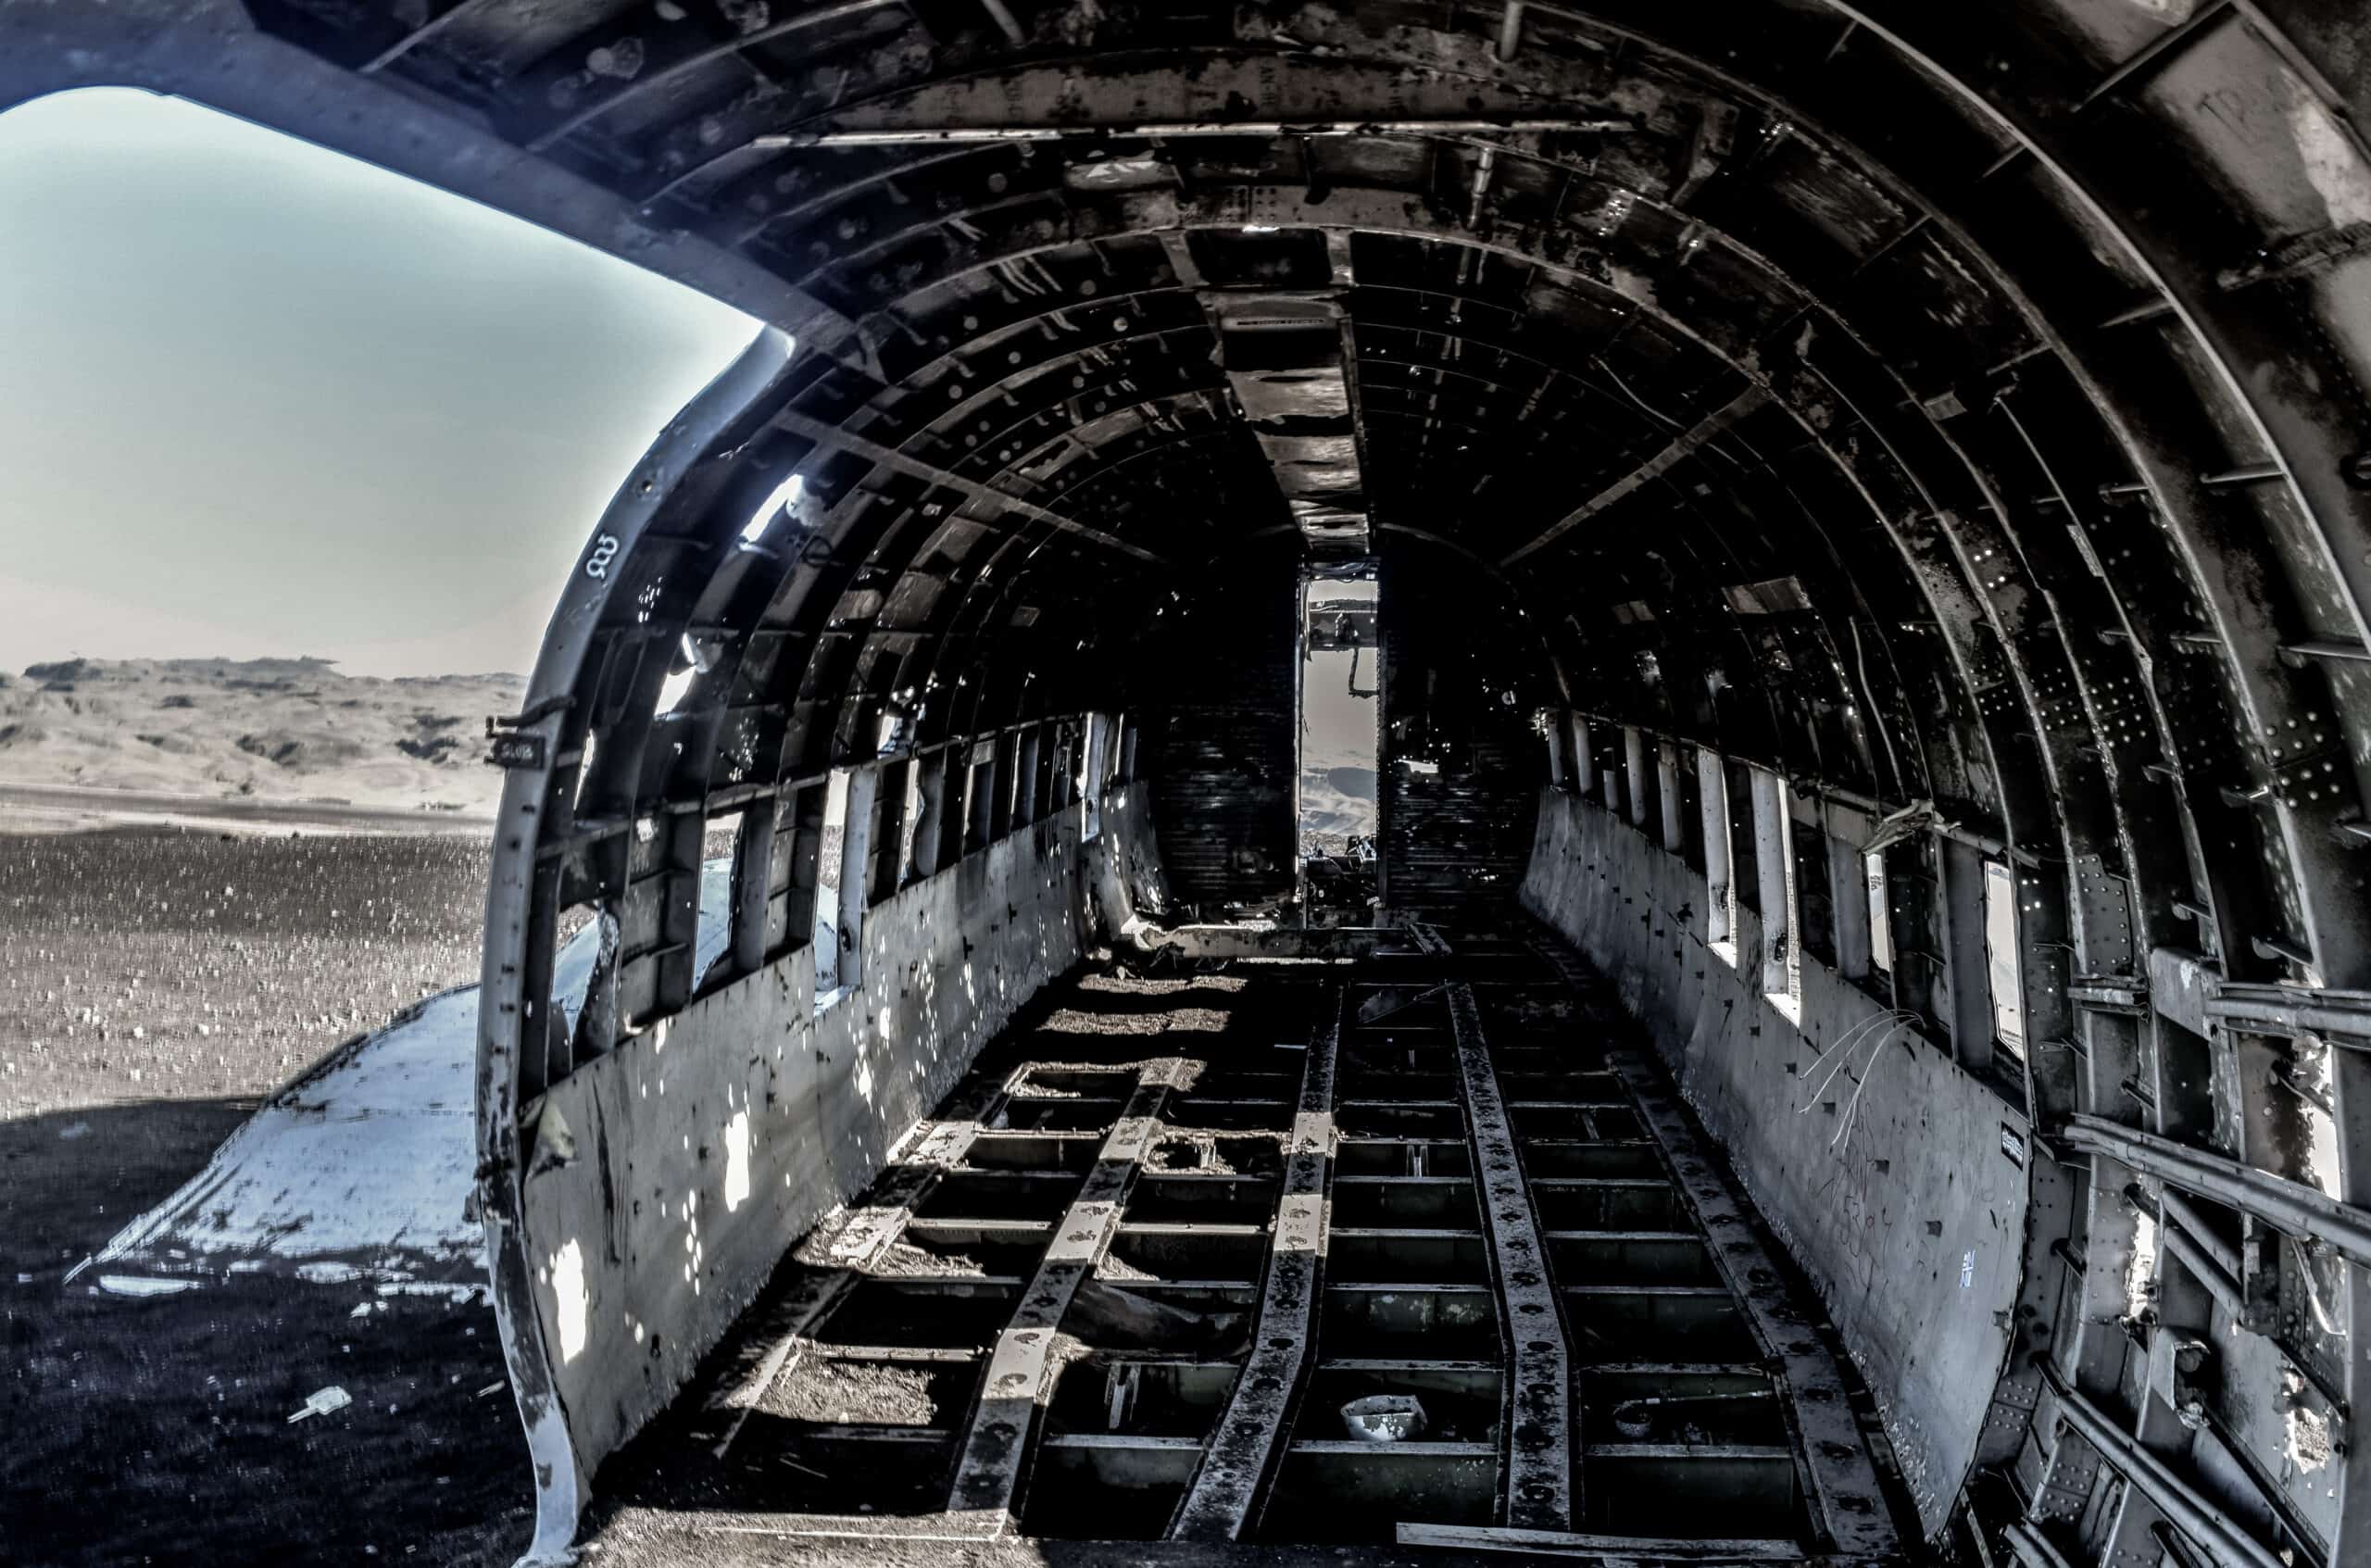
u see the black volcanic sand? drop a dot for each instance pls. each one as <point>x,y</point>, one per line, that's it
<point>154,1429</point>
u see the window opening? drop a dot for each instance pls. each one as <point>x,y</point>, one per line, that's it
<point>1005,785</point>
<point>896,797</point>
<point>1667,796</point>
<point>1095,772</point>
<point>830,857</point>
<point>709,863</point>
<point>2002,969</point>
<point>979,795</point>
<point>1340,715</point>
<point>1814,908</point>
<point>1027,798</point>
<point>1639,785</point>
<point>1745,877</point>
<point>843,860</point>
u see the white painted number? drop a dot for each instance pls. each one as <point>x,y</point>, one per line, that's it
<point>605,550</point>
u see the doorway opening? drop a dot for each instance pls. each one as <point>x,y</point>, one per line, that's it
<point>1341,685</point>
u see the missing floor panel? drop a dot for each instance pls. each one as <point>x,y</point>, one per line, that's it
<point>1415,1253</point>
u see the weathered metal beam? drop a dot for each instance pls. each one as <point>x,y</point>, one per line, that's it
<point>1510,30</point>
<point>2185,1218</point>
<point>425,33</point>
<point>2219,1282</point>
<point>2030,1547</point>
<point>1001,14</point>
<point>2300,1210</point>
<point>2309,505</point>
<point>1840,1480</point>
<point>1245,1445</point>
<point>1613,1548</point>
<point>2173,1496</point>
<point>839,440</point>
<point>1288,359</point>
<point>2160,50</point>
<point>998,1442</point>
<point>1253,941</point>
<point>1540,1486</point>
<point>1704,429</point>
<point>1195,93</point>
<point>1183,129</point>
<point>693,54</point>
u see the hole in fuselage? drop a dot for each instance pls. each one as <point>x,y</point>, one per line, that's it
<point>1341,682</point>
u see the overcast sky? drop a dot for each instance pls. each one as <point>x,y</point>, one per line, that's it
<point>256,398</point>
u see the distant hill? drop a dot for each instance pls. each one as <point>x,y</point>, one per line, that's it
<point>262,729</point>
<point>1337,801</point>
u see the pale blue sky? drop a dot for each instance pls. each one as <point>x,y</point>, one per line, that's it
<point>258,398</point>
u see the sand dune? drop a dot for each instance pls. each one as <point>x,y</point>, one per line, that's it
<point>261,730</point>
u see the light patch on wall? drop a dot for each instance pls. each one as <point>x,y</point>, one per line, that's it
<point>785,497</point>
<point>566,1274</point>
<point>736,1161</point>
<point>2004,970</point>
<point>2331,163</point>
<point>2140,1270</point>
<point>2308,1435</point>
<point>2310,1075</point>
<point>1775,596</point>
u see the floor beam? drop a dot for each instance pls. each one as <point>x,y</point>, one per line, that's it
<point>1243,1449</point>
<point>1539,1482</point>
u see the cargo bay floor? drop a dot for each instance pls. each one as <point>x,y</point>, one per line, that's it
<point>1122,1286</point>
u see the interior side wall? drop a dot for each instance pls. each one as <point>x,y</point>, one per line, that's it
<point>672,1173</point>
<point>1892,1183</point>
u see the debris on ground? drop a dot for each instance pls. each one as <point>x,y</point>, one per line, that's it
<point>321,1401</point>
<point>1384,1418</point>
